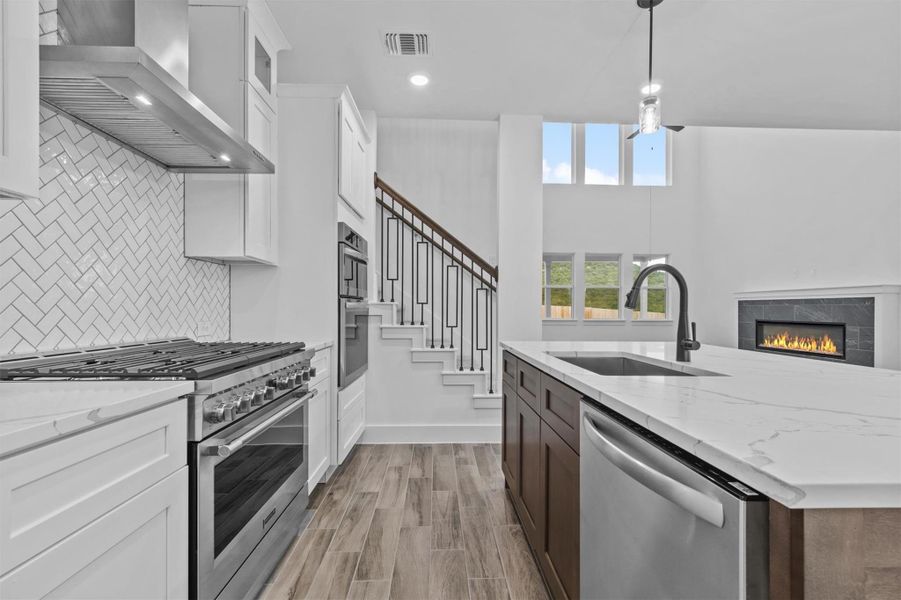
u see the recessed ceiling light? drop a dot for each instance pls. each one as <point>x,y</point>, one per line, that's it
<point>143,100</point>
<point>650,89</point>
<point>225,158</point>
<point>419,79</point>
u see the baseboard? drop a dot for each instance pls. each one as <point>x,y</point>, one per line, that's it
<point>431,434</point>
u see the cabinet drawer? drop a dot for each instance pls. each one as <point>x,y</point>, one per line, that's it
<point>559,408</point>
<point>528,384</point>
<point>509,369</point>
<point>53,491</point>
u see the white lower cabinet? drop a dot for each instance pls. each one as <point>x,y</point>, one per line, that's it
<point>137,550</point>
<point>351,416</point>
<point>100,514</point>
<point>320,408</point>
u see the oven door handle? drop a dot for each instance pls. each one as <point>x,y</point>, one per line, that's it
<point>224,450</point>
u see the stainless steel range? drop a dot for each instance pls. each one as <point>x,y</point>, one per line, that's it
<point>247,448</point>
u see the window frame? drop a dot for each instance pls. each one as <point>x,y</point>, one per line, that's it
<point>546,259</point>
<point>583,156</point>
<point>600,257</point>
<point>629,160</point>
<point>573,145</point>
<point>642,313</point>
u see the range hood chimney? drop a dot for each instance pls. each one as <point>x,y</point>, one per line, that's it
<point>121,69</point>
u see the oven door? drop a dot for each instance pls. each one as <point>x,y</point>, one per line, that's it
<point>353,275</point>
<point>244,478</point>
<point>353,348</point>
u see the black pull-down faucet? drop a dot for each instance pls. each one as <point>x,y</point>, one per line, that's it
<point>684,344</point>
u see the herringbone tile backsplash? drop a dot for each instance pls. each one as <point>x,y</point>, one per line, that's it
<point>99,258</point>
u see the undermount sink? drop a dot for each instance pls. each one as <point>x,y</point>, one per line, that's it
<point>623,366</point>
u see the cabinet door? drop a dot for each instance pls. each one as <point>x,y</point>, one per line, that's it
<point>261,60</point>
<point>260,241</point>
<point>137,550</point>
<point>318,417</point>
<point>346,139</point>
<point>362,180</point>
<point>559,551</point>
<point>530,500</point>
<point>510,442</point>
<point>18,99</point>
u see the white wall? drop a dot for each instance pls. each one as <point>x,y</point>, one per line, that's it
<point>447,168</point>
<point>626,220</point>
<point>520,227</point>
<point>789,208</point>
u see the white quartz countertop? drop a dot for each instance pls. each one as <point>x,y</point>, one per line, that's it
<point>36,412</point>
<point>806,433</point>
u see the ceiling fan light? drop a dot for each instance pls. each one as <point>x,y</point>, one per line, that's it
<point>649,115</point>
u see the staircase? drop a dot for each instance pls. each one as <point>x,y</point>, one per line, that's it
<point>437,293</point>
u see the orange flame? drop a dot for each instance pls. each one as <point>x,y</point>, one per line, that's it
<point>786,341</point>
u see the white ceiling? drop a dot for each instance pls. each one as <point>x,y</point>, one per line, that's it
<point>762,63</point>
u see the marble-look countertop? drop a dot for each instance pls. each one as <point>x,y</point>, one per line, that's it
<point>36,412</point>
<point>806,433</point>
<point>320,345</point>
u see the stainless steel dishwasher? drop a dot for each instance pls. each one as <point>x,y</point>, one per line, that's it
<point>657,522</point>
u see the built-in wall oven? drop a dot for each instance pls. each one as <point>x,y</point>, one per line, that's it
<point>353,308</point>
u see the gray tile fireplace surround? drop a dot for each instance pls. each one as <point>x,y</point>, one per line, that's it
<point>858,315</point>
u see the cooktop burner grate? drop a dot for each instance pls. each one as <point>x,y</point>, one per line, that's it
<point>169,359</point>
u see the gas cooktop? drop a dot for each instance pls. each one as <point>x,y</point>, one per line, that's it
<point>179,358</point>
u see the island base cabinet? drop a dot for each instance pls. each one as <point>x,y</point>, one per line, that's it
<point>530,500</point>
<point>510,446</point>
<point>137,550</point>
<point>559,554</point>
<point>540,461</point>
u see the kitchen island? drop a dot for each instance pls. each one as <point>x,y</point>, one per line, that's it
<point>821,440</point>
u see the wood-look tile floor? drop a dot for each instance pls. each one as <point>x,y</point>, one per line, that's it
<point>411,522</point>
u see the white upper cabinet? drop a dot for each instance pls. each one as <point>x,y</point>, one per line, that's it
<point>233,69</point>
<point>18,99</point>
<point>354,182</point>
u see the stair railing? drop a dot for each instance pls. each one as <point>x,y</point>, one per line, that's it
<point>409,242</point>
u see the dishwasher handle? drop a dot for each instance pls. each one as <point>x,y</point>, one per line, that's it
<point>695,502</point>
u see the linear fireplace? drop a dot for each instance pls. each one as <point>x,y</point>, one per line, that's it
<point>800,337</point>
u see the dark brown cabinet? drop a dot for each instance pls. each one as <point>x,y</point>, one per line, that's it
<point>510,445</point>
<point>559,554</point>
<point>530,500</point>
<point>540,459</point>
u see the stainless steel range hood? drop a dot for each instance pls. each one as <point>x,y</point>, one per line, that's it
<point>124,94</point>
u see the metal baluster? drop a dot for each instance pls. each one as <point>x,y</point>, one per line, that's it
<point>443,297</point>
<point>432,297</point>
<point>491,338</point>
<point>460,306</point>
<point>451,268</point>
<point>414,271</point>
<point>400,235</point>
<point>382,246</point>
<point>484,291</point>
<point>472,313</point>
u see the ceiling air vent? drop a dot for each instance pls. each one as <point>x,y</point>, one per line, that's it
<point>407,44</point>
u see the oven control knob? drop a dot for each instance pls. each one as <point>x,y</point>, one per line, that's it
<point>229,409</point>
<point>308,372</point>
<point>269,392</point>
<point>257,396</point>
<point>294,378</point>
<point>272,382</point>
<point>215,414</point>
<point>283,382</point>
<point>241,405</point>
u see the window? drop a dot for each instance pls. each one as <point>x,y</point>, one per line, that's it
<point>558,153</point>
<point>649,159</point>
<point>602,154</point>
<point>557,286</point>
<point>602,287</point>
<point>654,292</point>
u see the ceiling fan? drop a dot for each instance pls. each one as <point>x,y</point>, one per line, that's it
<point>649,107</point>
